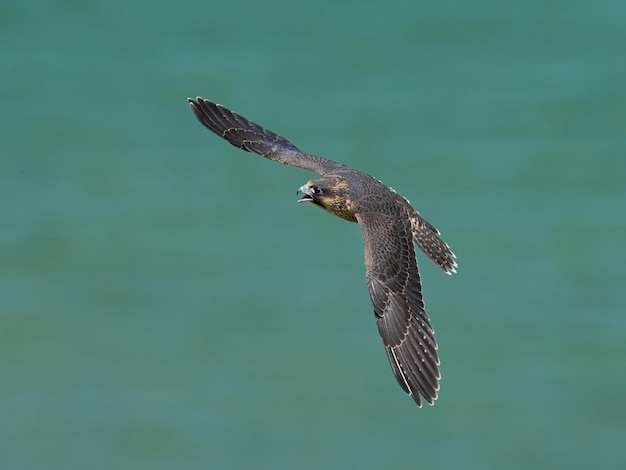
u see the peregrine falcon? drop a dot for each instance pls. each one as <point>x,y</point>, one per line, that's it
<point>389,226</point>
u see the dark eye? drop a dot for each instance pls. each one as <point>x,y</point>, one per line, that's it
<point>316,190</point>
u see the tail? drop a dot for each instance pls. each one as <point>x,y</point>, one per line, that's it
<point>427,238</point>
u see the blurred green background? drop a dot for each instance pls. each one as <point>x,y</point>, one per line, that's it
<point>165,303</point>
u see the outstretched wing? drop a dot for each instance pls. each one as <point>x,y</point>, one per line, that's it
<point>396,293</point>
<point>251,137</point>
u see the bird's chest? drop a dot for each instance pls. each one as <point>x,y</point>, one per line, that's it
<point>343,208</point>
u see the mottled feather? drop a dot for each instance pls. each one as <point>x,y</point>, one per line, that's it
<point>396,293</point>
<point>251,137</point>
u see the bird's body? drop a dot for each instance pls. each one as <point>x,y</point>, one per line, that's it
<point>389,225</point>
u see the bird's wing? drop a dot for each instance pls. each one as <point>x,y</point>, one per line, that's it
<point>251,137</point>
<point>396,293</point>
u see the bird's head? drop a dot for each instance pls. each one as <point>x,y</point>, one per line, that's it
<point>331,194</point>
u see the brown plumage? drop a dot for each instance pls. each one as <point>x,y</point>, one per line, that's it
<point>390,227</point>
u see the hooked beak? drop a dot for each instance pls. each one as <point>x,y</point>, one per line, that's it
<point>308,195</point>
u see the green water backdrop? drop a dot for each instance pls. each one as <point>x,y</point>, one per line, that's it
<point>166,304</point>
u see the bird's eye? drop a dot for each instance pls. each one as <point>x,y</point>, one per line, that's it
<point>316,190</point>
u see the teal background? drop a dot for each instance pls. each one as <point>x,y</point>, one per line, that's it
<point>166,304</point>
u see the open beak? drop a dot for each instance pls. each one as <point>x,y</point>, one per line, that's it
<point>307,194</point>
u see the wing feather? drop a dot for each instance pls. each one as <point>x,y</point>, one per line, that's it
<point>396,293</point>
<point>249,136</point>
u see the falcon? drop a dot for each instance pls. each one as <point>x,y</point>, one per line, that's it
<point>390,228</point>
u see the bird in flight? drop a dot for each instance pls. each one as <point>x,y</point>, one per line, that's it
<point>389,225</point>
